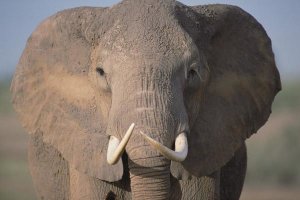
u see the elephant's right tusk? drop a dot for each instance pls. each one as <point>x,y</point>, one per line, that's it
<point>116,148</point>
<point>181,147</point>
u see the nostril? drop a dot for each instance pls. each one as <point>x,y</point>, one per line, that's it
<point>110,196</point>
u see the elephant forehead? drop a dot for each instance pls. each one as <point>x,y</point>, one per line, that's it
<point>140,63</point>
<point>145,27</point>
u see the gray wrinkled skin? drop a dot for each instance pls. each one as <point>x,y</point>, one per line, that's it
<point>88,73</point>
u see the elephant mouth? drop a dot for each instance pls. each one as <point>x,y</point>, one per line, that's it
<point>116,147</point>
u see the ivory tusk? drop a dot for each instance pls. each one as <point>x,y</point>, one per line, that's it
<point>181,147</point>
<point>116,148</point>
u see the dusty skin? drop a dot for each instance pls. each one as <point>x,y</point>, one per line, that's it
<point>204,72</point>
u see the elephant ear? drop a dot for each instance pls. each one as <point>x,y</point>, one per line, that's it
<point>242,85</point>
<point>53,96</point>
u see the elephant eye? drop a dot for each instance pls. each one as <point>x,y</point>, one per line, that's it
<point>100,71</point>
<point>192,73</point>
<point>193,79</point>
<point>103,81</point>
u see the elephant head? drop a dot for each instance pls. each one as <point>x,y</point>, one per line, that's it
<point>203,77</point>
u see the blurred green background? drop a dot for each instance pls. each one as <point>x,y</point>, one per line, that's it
<point>273,153</point>
<point>15,180</point>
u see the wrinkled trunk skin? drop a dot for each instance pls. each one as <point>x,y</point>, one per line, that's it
<point>149,175</point>
<point>157,112</point>
<point>149,171</point>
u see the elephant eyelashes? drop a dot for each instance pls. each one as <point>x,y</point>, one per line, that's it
<point>100,71</point>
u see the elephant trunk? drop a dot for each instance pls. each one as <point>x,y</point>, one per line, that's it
<point>158,118</point>
<point>149,175</point>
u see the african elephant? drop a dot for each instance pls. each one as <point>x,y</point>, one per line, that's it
<point>144,100</point>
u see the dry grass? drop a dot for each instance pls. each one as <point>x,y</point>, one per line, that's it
<point>270,193</point>
<point>15,181</point>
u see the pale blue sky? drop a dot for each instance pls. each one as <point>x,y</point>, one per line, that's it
<point>281,19</point>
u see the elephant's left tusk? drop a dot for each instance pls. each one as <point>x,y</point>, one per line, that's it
<point>181,147</point>
<point>116,148</point>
